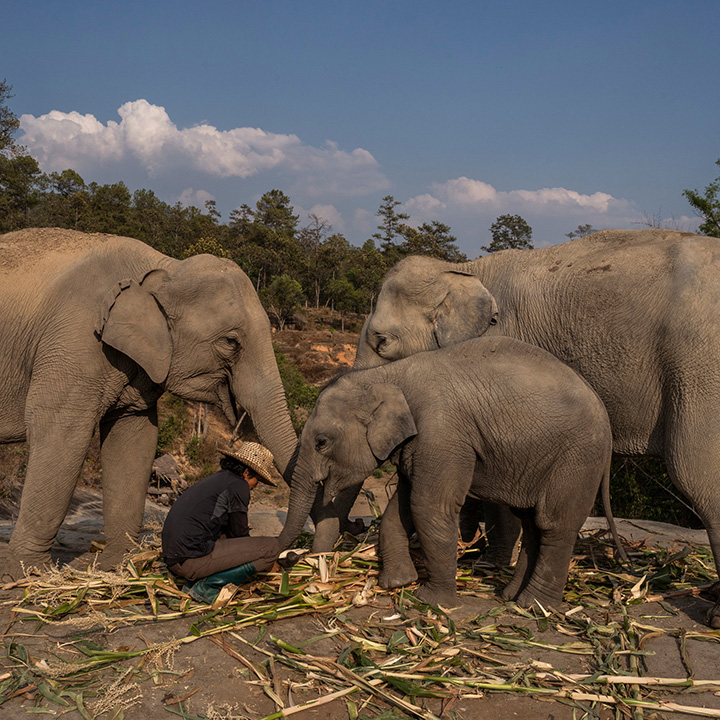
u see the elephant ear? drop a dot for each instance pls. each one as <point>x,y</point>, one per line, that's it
<point>135,324</point>
<point>391,422</point>
<point>467,310</point>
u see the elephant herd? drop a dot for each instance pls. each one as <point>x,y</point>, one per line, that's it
<point>543,363</point>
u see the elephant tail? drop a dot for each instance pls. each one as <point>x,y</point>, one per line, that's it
<point>605,490</point>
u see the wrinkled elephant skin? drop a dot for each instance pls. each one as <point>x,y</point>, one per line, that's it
<point>93,329</point>
<point>635,312</point>
<point>502,421</point>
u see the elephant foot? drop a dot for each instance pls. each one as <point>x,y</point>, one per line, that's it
<point>111,558</point>
<point>434,596</point>
<point>393,577</point>
<point>15,564</point>
<point>713,592</point>
<point>512,589</point>
<point>713,617</point>
<point>528,599</point>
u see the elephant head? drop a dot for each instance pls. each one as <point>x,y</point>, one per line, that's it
<point>353,428</point>
<point>424,304</point>
<point>197,328</point>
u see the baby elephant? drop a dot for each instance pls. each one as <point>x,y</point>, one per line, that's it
<point>493,418</point>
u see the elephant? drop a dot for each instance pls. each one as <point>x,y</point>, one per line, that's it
<point>93,329</point>
<point>635,312</point>
<point>493,418</point>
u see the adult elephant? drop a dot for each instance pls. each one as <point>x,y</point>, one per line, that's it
<point>636,312</point>
<point>93,329</point>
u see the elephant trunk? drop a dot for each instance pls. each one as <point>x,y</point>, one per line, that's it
<point>303,496</point>
<point>366,355</point>
<point>265,401</point>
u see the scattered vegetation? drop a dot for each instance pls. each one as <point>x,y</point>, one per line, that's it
<point>413,658</point>
<point>172,422</point>
<point>640,488</point>
<point>301,396</point>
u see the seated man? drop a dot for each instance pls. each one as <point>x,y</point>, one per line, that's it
<point>206,538</point>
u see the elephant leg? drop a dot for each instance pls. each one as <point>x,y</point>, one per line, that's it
<point>503,529</point>
<point>332,520</point>
<point>693,458</point>
<point>440,484</point>
<point>527,558</point>
<point>57,451</point>
<point>396,528</point>
<point>549,575</point>
<point>127,452</point>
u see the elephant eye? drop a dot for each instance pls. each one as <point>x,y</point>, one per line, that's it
<point>322,442</point>
<point>230,343</point>
<point>227,346</point>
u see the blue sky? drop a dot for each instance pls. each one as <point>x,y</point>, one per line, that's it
<point>563,112</point>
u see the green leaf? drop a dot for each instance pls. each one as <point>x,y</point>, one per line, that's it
<point>45,689</point>
<point>285,585</point>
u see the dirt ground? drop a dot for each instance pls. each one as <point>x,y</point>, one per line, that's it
<point>202,664</point>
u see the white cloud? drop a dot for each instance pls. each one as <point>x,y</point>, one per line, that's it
<point>465,193</point>
<point>147,135</point>
<point>198,198</point>
<point>364,221</point>
<point>331,215</point>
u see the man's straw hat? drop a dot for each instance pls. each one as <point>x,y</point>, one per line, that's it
<point>258,458</point>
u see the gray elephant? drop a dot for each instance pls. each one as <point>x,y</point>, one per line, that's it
<point>494,418</point>
<point>635,312</point>
<point>93,329</point>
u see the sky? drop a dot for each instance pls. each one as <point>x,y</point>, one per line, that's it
<point>565,113</point>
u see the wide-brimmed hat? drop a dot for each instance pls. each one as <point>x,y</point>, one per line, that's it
<point>258,458</point>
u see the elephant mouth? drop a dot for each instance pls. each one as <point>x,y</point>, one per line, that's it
<point>226,400</point>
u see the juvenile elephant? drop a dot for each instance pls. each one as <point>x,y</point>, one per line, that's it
<point>93,329</point>
<point>495,418</point>
<point>635,312</point>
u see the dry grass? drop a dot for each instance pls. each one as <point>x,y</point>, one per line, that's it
<point>406,658</point>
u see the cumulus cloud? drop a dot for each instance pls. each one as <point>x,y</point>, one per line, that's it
<point>466,193</point>
<point>198,198</point>
<point>147,135</point>
<point>330,214</point>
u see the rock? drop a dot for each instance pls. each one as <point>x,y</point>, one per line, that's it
<point>167,472</point>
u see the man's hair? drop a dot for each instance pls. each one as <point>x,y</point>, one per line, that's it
<point>233,465</point>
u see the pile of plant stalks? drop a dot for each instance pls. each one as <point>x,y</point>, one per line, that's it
<point>405,659</point>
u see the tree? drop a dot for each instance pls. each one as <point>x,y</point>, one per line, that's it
<point>707,206</point>
<point>344,296</point>
<point>367,271</point>
<point>151,218</point>
<point>509,231</point>
<point>110,210</point>
<point>21,187</point>
<point>66,205</point>
<point>311,239</point>
<point>9,122</point>
<point>21,180</point>
<point>580,231</point>
<point>205,246</point>
<point>274,211</point>
<point>390,228</point>
<point>432,239</point>
<point>263,240</point>
<point>281,298</point>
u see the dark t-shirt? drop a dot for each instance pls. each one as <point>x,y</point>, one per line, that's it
<point>212,506</point>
